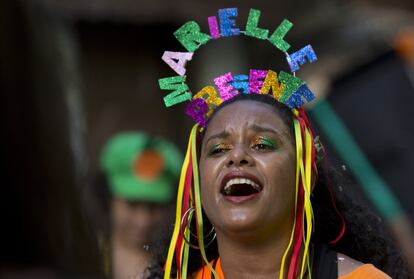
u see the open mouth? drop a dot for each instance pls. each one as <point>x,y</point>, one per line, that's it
<point>239,187</point>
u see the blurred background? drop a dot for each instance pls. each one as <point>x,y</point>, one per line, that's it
<point>74,73</point>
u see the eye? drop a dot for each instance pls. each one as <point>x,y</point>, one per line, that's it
<point>218,149</point>
<point>263,143</point>
<point>260,146</point>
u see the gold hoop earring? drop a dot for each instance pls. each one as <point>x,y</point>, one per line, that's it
<point>188,216</point>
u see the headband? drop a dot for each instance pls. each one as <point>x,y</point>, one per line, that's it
<point>285,87</point>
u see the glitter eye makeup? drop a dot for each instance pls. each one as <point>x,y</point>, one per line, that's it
<point>264,143</point>
<point>219,148</point>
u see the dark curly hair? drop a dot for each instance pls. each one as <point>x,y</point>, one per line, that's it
<point>365,238</point>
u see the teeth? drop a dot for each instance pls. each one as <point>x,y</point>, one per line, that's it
<point>234,181</point>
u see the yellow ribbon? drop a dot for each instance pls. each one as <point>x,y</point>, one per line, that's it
<point>292,234</point>
<point>173,243</point>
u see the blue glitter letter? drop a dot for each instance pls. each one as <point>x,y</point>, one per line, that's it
<point>227,24</point>
<point>295,100</point>
<point>299,57</point>
<point>241,83</point>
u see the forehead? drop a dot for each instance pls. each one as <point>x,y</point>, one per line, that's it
<point>243,114</point>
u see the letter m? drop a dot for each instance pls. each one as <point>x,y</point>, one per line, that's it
<point>181,92</point>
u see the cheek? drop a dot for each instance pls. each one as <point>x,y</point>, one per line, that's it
<point>281,175</point>
<point>206,183</point>
<point>208,172</point>
<point>156,217</point>
<point>119,215</point>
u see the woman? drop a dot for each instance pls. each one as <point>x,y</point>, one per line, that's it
<point>248,181</point>
<point>134,192</point>
<point>254,200</point>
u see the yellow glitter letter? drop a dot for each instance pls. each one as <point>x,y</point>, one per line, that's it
<point>209,94</point>
<point>272,82</point>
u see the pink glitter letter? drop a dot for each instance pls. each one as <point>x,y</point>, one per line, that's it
<point>223,87</point>
<point>177,60</point>
<point>213,25</point>
<point>256,80</point>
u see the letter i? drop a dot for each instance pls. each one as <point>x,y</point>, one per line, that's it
<point>213,25</point>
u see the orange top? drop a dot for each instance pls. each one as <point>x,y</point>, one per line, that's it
<point>366,271</point>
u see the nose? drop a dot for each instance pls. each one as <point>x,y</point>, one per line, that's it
<point>239,156</point>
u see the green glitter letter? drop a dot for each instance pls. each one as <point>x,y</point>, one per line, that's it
<point>251,27</point>
<point>190,37</point>
<point>181,92</point>
<point>292,84</point>
<point>279,34</point>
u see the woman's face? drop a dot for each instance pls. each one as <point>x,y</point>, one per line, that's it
<point>247,169</point>
<point>134,222</point>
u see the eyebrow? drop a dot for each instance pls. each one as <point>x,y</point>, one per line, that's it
<point>277,132</point>
<point>261,129</point>
<point>254,127</point>
<point>220,135</point>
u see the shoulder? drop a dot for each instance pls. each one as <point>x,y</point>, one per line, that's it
<point>349,268</point>
<point>347,264</point>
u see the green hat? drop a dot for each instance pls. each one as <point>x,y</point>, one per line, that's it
<point>139,167</point>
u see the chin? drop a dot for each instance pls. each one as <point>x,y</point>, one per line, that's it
<point>240,220</point>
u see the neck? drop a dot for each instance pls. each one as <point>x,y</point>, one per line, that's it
<point>128,260</point>
<point>253,257</point>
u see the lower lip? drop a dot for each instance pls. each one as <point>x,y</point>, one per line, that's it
<point>240,199</point>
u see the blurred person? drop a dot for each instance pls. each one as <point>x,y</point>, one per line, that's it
<point>139,174</point>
